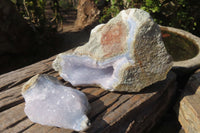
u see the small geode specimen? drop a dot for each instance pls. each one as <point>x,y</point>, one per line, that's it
<point>48,102</point>
<point>126,54</point>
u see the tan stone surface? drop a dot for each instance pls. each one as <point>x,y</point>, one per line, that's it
<point>189,108</point>
<point>128,49</point>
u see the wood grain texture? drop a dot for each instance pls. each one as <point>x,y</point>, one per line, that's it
<point>189,107</point>
<point>16,77</point>
<point>111,111</point>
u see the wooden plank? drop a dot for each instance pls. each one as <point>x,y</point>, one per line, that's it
<point>19,127</point>
<point>119,119</point>
<point>152,112</point>
<point>10,98</point>
<point>119,112</point>
<point>94,93</point>
<point>13,78</point>
<point>37,128</point>
<point>12,117</point>
<point>102,103</point>
<point>61,130</point>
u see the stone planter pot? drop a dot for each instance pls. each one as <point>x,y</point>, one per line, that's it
<point>184,48</point>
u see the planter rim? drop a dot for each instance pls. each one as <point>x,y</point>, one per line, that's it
<point>192,63</point>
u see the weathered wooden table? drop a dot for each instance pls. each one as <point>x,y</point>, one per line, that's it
<point>111,111</point>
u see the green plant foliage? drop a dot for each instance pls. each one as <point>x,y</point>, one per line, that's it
<point>151,6</point>
<point>65,4</point>
<point>34,11</point>
<point>182,14</point>
<point>114,7</point>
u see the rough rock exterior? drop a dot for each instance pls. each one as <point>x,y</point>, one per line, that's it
<point>48,102</point>
<point>188,109</point>
<point>126,54</point>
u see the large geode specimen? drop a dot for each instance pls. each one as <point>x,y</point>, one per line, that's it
<point>48,102</point>
<point>126,54</point>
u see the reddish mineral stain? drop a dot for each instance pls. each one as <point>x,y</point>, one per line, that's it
<point>113,39</point>
<point>113,35</point>
<point>165,35</point>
